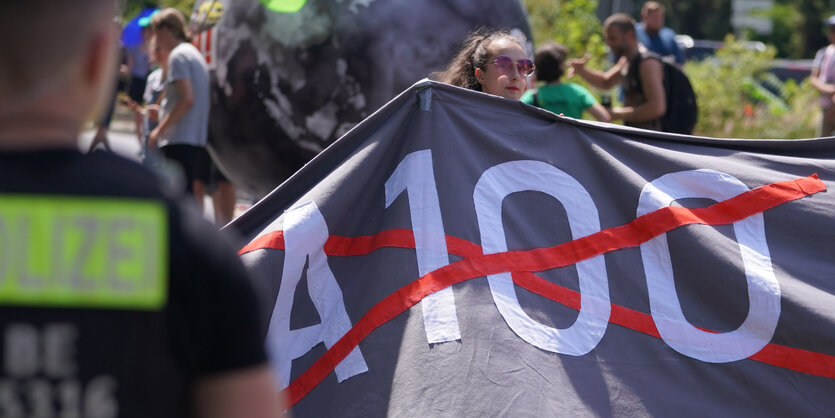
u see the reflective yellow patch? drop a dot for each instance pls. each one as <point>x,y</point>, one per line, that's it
<point>284,6</point>
<point>83,252</point>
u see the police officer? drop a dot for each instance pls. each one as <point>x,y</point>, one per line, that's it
<point>115,300</point>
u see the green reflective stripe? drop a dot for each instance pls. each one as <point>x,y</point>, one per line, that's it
<point>284,6</point>
<point>83,252</point>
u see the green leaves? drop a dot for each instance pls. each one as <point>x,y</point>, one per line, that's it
<point>573,23</point>
<point>739,98</point>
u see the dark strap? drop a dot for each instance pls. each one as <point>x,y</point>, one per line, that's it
<point>633,73</point>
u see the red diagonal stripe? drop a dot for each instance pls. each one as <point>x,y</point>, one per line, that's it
<point>625,317</point>
<point>476,265</point>
<point>273,240</point>
<point>348,246</point>
<point>797,359</point>
<point>342,246</point>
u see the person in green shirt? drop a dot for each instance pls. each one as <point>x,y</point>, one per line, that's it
<point>568,99</point>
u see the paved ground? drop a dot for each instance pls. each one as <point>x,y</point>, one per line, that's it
<point>123,141</point>
<point>121,135</point>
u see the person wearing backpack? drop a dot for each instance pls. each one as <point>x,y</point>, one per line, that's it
<point>642,79</point>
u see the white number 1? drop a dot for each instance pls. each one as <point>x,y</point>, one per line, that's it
<point>416,177</point>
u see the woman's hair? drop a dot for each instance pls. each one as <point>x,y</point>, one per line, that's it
<point>473,54</point>
<point>549,61</point>
<point>173,20</point>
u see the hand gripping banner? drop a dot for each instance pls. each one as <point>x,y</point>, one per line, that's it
<point>458,254</point>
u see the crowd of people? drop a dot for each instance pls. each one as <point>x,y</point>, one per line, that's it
<point>166,80</point>
<point>168,89</point>
<point>171,104</point>
<point>495,62</point>
<point>191,340</point>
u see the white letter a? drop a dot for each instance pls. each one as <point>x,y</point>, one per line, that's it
<point>305,234</point>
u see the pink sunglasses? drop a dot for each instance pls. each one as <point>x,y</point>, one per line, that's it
<point>505,64</point>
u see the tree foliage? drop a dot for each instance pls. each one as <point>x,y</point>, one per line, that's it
<point>798,27</point>
<point>701,19</point>
<point>731,87</point>
<point>132,8</point>
<point>739,98</point>
<point>582,29</point>
<point>573,23</point>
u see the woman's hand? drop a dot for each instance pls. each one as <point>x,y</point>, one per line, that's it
<point>152,111</point>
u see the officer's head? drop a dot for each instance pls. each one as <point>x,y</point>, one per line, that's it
<point>56,53</point>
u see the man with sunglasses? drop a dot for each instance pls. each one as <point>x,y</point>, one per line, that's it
<point>640,74</point>
<point>116,300</point>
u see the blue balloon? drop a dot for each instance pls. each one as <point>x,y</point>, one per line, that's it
<point>132,32</point>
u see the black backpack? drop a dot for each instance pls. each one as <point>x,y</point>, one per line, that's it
<point>682,110</point>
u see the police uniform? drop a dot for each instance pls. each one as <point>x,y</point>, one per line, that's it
<point>113,298</point>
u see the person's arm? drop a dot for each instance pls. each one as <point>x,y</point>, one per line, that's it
<point>132,105</point>
<point>599,79</point>
<point>185,99</point>
<point>820,85</point>
<point>592,106</point>
<point>152,107</point>
<point>249,393</point>
<point>651,72</point>
<point>599,112</point>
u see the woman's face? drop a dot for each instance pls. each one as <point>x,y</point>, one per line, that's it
<point>158,54</point>
<point>505,81</point>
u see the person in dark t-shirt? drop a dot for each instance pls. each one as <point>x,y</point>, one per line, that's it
<point>116,300</point>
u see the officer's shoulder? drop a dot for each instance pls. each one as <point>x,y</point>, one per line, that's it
<point>121,176</point>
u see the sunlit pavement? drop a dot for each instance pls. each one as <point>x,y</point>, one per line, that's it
<point>123,141</point>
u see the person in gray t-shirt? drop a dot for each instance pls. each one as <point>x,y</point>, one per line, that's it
<point>184,118</point>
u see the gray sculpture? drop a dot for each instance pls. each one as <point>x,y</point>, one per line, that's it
<point>288,83</point>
